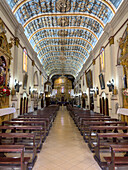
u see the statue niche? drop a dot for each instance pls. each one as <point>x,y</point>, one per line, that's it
<point>3,71</point>
<point>123,45</point>
<point>5,58</point>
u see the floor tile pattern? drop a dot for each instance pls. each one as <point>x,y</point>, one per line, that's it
<point>64,148</point>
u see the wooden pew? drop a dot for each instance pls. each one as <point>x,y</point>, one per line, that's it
<point>103,144</point>
<point>80,119</point>
<point>21,139</point>
<point>38,130</point>
<point>84,115</point>
<point>48,117</point>
<point>13,162</point>
<point>81,126</point>
<point>87,124</point>
<point>27,123</point>
<point>117,161</point>
<point>93,130</point>
<point>35,119</point>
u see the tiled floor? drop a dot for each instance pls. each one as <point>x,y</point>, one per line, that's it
<point>64,148</point>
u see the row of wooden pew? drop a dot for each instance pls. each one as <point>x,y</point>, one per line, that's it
<point>107,137</point>
<point>22,138</point>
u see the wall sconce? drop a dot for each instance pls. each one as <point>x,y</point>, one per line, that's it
<point>34,90</point>
<point>110,85</point>
<point>17,85</point>
<point>95,91</point>
<point>92,90</point>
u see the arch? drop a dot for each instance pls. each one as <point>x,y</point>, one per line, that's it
<point>24,103</point>
<point>65,56</point>
<point>52,74</point>
<point>59,64</point>
<point>61,28</point>
<point>19,4</point>
<point>62,46</point>
<point>63,38</point>
<point>70,60</point>
<point>64,51</point>
<point>69,14</point>
<point>104,104</point>
<point>71,71</point>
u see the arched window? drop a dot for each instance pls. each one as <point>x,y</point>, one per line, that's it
<point>25,57</point>
<point>102,60</point>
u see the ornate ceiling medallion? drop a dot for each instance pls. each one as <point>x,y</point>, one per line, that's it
<point>63,5</point>
<point>64,21</point>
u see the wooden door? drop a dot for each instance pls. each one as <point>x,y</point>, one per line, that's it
<point>21,106</point>
<point>103,106</point>
<point>24,105</point>
<point>27,105</point>
<point>83,103</point>
<point>106,107</point>
<point>100,106</point>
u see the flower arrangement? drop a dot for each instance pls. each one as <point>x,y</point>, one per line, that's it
<point>4,91</point>
<point>125,92</point>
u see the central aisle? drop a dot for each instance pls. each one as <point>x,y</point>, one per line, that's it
<point>64,148</point>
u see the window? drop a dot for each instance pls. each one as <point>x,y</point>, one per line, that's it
<point>102,60</point>
<point>25,57</point>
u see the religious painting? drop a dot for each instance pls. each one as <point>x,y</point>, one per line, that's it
<point>2,71</point>
<point>102,60</point>
<point>89,79</point>
<point>25,57</point>
<point>101,79</point>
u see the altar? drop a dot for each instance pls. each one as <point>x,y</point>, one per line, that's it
<point>6,114</point>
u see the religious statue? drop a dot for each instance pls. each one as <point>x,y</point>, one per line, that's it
<point>2,73</point>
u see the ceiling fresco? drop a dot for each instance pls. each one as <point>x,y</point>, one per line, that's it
<point>63,32</point>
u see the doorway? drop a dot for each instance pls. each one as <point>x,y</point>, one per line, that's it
<point>83,102</point>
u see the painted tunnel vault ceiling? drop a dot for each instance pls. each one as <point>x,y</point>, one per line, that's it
<point>63,32</point>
